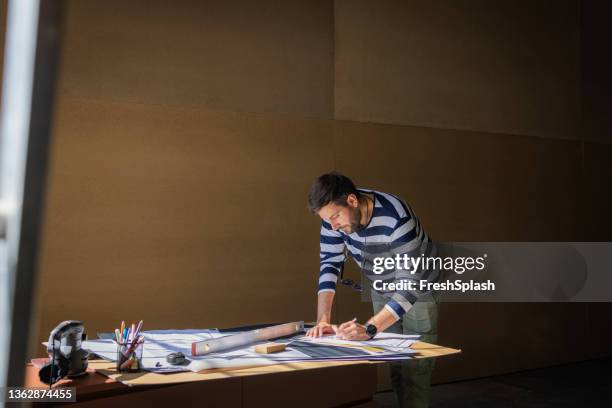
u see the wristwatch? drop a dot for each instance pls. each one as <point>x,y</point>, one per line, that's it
<point>371,330</point>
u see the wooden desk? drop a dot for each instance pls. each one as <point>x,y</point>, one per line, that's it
<point>297,385</point>
<point>312,384</point>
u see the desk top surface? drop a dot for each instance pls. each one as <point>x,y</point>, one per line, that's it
<point>103,377</point>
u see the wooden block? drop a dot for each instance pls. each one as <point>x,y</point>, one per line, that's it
<point>270,348</point>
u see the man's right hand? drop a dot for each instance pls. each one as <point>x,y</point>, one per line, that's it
<point>320,329</point>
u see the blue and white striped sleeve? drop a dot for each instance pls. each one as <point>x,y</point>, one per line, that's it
<point>407,238</point>
<point>331,258</point>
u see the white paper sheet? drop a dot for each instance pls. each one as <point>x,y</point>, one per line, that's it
<point>159,343</point>
<point>387,341</point>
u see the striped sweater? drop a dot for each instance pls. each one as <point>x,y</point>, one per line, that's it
<point>392,229</point>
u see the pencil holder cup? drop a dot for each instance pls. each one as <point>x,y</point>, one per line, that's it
<point>129,356</point>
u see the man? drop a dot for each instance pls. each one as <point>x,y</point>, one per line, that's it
<point>358,220</point>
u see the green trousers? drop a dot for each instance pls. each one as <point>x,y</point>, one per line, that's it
<point>411,378</point>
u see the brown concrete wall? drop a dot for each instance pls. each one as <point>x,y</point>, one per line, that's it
<point>500,66</point>
<point>148,209</point>
<point>595,68</point>
<point>187,135</point>
<point>265,56</point>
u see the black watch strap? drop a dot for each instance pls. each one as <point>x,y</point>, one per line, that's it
<point>371,330</point>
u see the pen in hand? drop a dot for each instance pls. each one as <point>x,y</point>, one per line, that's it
<point>342,327</point>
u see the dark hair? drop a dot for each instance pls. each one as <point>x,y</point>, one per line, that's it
<point>331,187</point>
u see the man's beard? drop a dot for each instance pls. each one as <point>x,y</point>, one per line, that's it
<point>355,220</point>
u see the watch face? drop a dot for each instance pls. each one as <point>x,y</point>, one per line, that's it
<point>371,330</point>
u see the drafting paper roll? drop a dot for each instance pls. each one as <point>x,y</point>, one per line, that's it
<point>201,348</point>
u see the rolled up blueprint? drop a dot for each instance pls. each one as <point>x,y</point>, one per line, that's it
<point>201,348</point>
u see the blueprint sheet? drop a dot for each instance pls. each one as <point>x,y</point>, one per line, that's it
<point>159,343</point>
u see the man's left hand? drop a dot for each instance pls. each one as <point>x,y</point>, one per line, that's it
<point>352,330</point>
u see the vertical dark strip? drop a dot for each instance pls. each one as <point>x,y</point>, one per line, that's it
<point>39,141</point>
